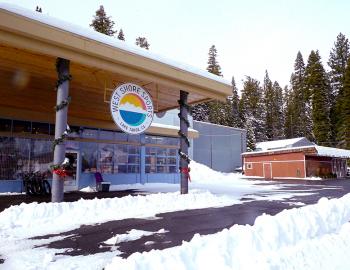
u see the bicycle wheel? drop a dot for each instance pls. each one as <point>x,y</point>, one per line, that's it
<point>28,188</point>
<point>46,188</point>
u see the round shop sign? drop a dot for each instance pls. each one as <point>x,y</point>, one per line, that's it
<point>131,108</point>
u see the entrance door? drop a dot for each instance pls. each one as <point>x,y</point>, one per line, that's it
<point>71,182</point>
<point>267,171</point>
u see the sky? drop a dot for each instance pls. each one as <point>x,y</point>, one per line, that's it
<point>250,36</point>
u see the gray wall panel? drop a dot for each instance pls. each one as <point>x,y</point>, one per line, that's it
<point>218,147</point>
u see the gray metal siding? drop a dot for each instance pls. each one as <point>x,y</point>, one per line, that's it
<point>219,147</point>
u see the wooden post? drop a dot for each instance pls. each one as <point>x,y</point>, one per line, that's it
<point>184,142</point>
<point>60,126</point>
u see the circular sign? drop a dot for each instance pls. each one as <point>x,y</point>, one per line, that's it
<point>131,108</point>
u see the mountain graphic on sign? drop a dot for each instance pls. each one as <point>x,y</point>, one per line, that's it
<point>132,110</point>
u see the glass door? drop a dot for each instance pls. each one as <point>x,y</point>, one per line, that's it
<point>71,181</point>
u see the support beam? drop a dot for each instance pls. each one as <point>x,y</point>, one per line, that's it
<point>184,142</point>
<point>60,126</point>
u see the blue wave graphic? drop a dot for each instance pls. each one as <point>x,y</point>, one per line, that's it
<point>133,118</point>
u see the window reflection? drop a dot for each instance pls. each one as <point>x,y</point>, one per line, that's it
<point>160,160</point>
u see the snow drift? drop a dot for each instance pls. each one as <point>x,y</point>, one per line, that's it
<point>311,237</point>
<point>28,220</point>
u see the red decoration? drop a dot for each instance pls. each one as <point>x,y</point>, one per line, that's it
<point>187,172</point>
<point>61,172</point>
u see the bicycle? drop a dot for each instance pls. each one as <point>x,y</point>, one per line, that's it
<point>35,183</point>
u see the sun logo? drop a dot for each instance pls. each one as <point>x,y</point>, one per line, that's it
<point>131,108</point>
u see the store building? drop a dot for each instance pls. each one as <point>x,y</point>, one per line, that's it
<point>295,159</point>
<point>30,45</point>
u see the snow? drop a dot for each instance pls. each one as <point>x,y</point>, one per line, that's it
<point>311,237</point>
<point>154,124</point>
<point>88,33</point>
<point>29,220</point>
<point>332,152</point>
<point>288,144</point>
<point>130,236</point>
<point>264,146</point>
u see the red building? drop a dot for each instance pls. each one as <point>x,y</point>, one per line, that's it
<point>283,160</point>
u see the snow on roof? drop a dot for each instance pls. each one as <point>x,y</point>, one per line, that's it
<point>270,145</point>
<point>154,124</point>
<point>332,152</point>
<point>277,150</point>
<point>320,151</point>
<point>111,41</point>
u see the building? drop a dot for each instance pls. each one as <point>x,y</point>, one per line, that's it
<point>295,159</point>
<point>219,147</point>
<point>33,47</point>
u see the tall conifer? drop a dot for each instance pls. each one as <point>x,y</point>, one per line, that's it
<point>318,85</point>
<point>210,111</point>
<point>103,23</point>
<point>344,123</point>
<point>338,58</point>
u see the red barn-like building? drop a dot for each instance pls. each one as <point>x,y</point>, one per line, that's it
<point>295,159</point>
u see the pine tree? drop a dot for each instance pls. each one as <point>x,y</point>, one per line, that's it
<point>288,114</point>
<point>300,110</point>
<point>103,23</point>
<point>210,111</point>
<point>251,141</point>
<point>319,88</point>
<point>344,123</point>
<point>200,112</point>
<point>121,35</point>
<point>278,128</point>
<point>252,105</point>
<point>234,101</point>
<point>338,58</point>
<point>268,105</point>
<point>142,42</point>
<point>213,65</point>
<point>38,9</point>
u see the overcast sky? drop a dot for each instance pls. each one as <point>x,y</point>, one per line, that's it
<point>250,36</point>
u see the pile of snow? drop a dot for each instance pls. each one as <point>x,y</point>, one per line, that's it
<point>311,237</point>
<point>28,220</point>
<point>131,236</point>
<point>202,174</point>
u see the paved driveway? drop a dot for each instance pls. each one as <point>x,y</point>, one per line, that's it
<point>182,225</point>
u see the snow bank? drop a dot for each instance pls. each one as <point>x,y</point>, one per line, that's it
<point>28,220</point>
<point>311,237</point>
<point>203,174</point>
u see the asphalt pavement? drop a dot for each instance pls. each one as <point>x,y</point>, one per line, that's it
<point>183,225</point>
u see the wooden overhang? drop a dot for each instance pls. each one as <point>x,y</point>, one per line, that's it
<point>30,44</point>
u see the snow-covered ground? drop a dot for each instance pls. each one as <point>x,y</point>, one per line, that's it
<point>311,237</point>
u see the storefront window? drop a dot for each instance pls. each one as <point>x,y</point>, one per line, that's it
<point>122,137</point>
<point>127,159</point>
<point>160,160</point>
<point>14,157</point>
<point>106,135</point>
<point>162,140</point>
<point>133,138</point>
<point>90,133</point>
<point>40,128</point>
<point>41,156</point>
<point>106,158</point>
<point>89,157</point>
<point>22,126</point>
<point>5,125</point>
